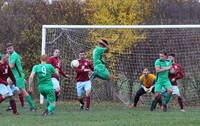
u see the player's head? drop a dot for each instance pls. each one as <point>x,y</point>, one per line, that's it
<point>172,57</point>
<point>56,53</point>
<point>44,58</point>
<point>9,47</point>
<point>82,54</point>
<point>103,43</point>
<point>145,71</point>
<point>163,55</point>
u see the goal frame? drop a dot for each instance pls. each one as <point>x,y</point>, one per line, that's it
<point>44,27</point>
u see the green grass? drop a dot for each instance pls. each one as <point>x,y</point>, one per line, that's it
<point>104,114</point>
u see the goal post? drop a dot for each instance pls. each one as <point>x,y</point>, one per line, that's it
<point>142,50</point>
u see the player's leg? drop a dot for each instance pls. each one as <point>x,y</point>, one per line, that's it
<point>177,93</point>
<point>139,93</point>
<point>28,99</point>
<point>159,101</point>
<point>21,85</point>
<point>51,100</point>
<point>21,99</point>
<point>45,106</point>
<point>88,87</point>
<point>102,72</point>
<point>15,90</point>
<point>158,87</point>
<point>168,87</point>
<point>80,91</point>
<point>56,87</point>
<point>12,100</point>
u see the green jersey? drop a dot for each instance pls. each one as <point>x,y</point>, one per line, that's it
<point>15,59</point>
<point>44,73</point>
<point>164,75</point>
<point>97,55</point>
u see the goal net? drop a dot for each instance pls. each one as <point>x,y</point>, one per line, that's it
<point>133,47</point>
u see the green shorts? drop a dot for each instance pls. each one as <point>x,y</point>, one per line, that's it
<point>20,82</point>
<point>48,94</point>
<point>165,84</point>
<point>101,72</point>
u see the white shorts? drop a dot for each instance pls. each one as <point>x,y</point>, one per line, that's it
<point>13,88</point>
<point>175,90</point>
<point>56,85</point>
<point>5,90</point>
<point>81,87</point>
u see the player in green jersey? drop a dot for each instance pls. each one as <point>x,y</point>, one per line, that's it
<point>100,69</point>
<point>15,64</point>
<point>44,73</point>
<point>162,66</point>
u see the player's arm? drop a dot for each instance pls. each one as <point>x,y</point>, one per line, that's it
<point>3,81</point>
<point>107,49</point>
<point>180,74</point>
<point>12,61</point>
<point>91,66</point>
<point>61,72</point>
<point>141,79</point>
<point>54,71</point>
<point>31,77</point>
<point>159,69</point>
<point>153,81</point>
<point>79,70</point>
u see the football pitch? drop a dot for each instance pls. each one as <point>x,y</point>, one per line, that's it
<point>101,114</point>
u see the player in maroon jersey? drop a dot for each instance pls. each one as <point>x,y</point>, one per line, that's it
<point>56,63</point>
<point>83,81</point>
<point>5,91</point>
<point>176,72</point>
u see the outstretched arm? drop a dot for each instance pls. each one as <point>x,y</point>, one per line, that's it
<point>31,77</point>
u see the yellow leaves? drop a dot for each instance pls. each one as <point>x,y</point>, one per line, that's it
<point>116,12</point>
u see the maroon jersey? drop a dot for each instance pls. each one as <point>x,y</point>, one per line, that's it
<point>55,62</point>
<point>81,74</point>
<point>176,72</point>
<point>6,72</point>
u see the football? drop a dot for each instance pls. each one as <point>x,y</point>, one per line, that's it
<point>74,63</point>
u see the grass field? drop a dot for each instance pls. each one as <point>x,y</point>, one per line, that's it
<point>105,114</point>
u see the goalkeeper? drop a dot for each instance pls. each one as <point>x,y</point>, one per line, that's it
<point>147,85</point>
<point>100,69</point>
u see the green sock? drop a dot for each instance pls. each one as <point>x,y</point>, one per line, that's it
<point>30,101</point>
<point>166,98</point>
<point>51,108</point>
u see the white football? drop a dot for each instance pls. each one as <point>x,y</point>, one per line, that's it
<point>74,63</point>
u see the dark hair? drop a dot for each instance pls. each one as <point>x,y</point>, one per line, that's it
<point>103,42</point>
<point>172,54</point>
<point>163,52</point>
<point>9,44</point>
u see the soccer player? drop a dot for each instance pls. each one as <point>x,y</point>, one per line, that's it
<point>162,66</point>
<point>5,91</point>
<point>56,62</point>
<point>83,81</point>
<point>16,67</point>
<point>44,73</point>
<point>100,69</point>
<point>147,79</point>
<point>176,72</point>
